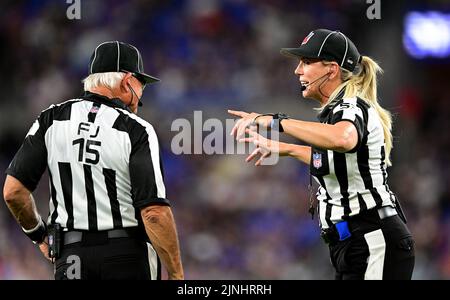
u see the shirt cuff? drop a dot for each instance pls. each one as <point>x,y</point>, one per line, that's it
<point>149,202</point>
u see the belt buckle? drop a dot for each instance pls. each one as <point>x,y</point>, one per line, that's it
<point>386,212</point>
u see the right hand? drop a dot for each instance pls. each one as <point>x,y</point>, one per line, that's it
<point>246,121</point>
<point>264,147</point>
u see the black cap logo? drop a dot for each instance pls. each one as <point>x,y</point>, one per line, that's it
<point>306,39</point>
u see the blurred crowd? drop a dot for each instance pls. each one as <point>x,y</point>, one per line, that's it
<point>235,221</point>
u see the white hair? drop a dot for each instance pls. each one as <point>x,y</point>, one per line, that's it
<point>107,79</point>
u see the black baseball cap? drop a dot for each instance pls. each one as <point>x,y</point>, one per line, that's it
<point>115,56</point>
<point>327,45</point>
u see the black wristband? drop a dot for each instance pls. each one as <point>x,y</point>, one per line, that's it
<point>276,121</point>
<point>37,235</point>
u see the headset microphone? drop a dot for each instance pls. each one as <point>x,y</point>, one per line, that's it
<point>304,86</point>
<point>133,93</point>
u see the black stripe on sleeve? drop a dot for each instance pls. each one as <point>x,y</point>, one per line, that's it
<point>161,164</point>
<point>340,167</point>
<point>142,174</point>
<point>54,200</point>
<point>360,129</point>
<point>90,194</point>
<point>111,187</point>
<point>30,161</point>
<point>65,173</point>
<point>359,124</point>
<point>63,112</point>
<point>144,191</point>
<point>337,117</point>
<point>143,182</point>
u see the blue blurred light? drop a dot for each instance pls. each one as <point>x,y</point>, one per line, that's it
<point>427,34</point>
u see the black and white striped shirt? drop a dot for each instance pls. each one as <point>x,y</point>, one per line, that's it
<point>354,181</point>
<point>104,163</point>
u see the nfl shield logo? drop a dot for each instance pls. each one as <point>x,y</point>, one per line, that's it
<point>306,39</point>
<point>94,109</point>
<point>317,160</point>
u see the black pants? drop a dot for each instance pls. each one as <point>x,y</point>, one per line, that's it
<point>377,249</point>
<point>118,258</point>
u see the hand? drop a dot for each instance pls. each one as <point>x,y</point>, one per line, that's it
<point>246,120</point>
<point>264,147</point>
<point>44,249</point>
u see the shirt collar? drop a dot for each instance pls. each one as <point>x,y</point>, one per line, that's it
<point>113,102</point>
<point>329,107</point>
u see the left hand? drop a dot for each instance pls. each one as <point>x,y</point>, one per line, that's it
<point>264,147</point>
<point>246,120</point>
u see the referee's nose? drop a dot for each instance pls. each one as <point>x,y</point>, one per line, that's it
<point>299,70</point>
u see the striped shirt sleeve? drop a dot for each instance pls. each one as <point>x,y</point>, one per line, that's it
<point>348,110</point>
<point>30,161</point>
<point>147,184</point>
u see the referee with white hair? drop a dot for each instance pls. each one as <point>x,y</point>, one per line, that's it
<point>109,216</point>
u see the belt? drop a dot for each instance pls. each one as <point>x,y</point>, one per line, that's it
<point>386,212</point>
<point>343,230</point>
<point>71,237</point>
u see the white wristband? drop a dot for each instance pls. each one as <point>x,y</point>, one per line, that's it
<point>40,223</point>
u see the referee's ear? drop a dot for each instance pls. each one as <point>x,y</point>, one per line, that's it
<point>124,83</point>
<point>333,70</point>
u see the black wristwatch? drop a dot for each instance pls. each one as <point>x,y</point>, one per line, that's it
<point>37,235</point>
<point>275,124</point>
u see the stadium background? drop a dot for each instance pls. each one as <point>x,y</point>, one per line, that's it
<point>233,222</point>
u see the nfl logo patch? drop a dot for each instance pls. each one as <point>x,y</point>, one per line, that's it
<point>94,109</point>
<point>317,160</point>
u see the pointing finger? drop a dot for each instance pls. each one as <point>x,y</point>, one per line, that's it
<point>237,113</point>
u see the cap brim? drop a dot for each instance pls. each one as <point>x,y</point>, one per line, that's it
<point>142,77</point>
<point>147,78</point>
<point>296,53</point>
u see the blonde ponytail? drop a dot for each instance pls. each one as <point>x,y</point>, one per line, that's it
<point>363,84</point>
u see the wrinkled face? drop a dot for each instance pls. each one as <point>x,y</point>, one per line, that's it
<point>313,74</point>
